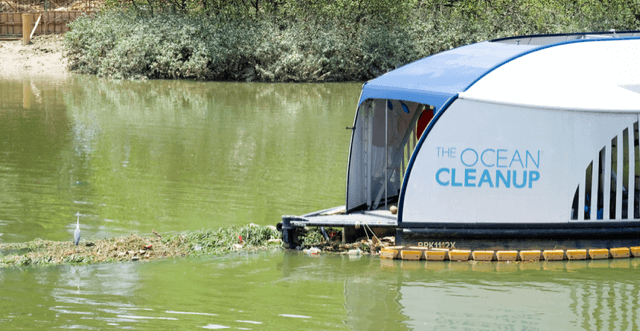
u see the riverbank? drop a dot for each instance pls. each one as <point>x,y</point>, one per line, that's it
<point>42,57</point>
<point>137,248</point>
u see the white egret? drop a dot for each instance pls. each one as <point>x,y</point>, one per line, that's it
<point>76,233</point>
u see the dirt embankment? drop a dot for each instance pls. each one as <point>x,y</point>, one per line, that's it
<point>136,248</point>
<point>43,57</point>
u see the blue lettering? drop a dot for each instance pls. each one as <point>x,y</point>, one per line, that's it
<point>453,178</point>
<point>533,176</point>
<point>500,158</point>
<point>500,176</point>
<point>485,178</point>
<point>504,177</point>
<point>469,158</point>
<point>469,175</point>
<point>528,155</point>
<point>519,159</point>
<point>482,157</point>
<point>446,152</point>
<point>474,161</point>
<point>438,176</point>
<point>524,179</point>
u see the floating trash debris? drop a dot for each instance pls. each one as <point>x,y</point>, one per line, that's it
<point>312,251</point>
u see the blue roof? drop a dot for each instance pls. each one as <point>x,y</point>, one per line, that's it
<point>437,79</point>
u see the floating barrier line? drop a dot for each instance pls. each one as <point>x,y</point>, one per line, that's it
<point>435,254</point>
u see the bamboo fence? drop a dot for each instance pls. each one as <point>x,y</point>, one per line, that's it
<point>34,6</point>
<point>54,15</point>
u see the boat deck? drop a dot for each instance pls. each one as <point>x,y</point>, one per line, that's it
<point>336,217</point>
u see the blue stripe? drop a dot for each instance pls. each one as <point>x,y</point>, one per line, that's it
<point>415,154</point>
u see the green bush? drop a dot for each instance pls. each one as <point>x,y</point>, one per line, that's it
<point>285,41</point>
<point>123,45</point>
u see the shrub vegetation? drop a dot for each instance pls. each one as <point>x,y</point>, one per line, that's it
<point>310,40</point>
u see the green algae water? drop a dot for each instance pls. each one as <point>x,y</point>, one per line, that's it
<point>132,157</point>
<point>165,155</point>
<point>292,291</point>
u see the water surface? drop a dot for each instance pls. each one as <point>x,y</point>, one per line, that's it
<point>167,155</point>
<point>277,291</point>
<point>175,156</point>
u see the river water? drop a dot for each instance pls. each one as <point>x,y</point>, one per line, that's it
<point>173,156</point>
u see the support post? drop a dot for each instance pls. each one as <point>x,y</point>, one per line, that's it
<point>386,152</point>
<point>26,29</point>
<point>348,234</point>
<point>289,233</point>
<point>398,237</point>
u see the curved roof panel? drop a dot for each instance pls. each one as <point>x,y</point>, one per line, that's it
<point>527,70</point>
<point>437,78</point>
<point>595,75</point>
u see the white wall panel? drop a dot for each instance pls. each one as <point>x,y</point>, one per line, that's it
<point>483,140</point>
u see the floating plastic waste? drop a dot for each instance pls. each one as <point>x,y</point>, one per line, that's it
<point>312,251</point>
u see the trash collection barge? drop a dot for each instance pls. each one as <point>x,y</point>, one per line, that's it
<point>517,143</point>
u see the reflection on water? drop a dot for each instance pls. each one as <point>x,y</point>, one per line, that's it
<point>167,155</point>
<point>275,291</point>
<point>524,296</point>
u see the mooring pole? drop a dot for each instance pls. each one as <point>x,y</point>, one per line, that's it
<point>26,29</point>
